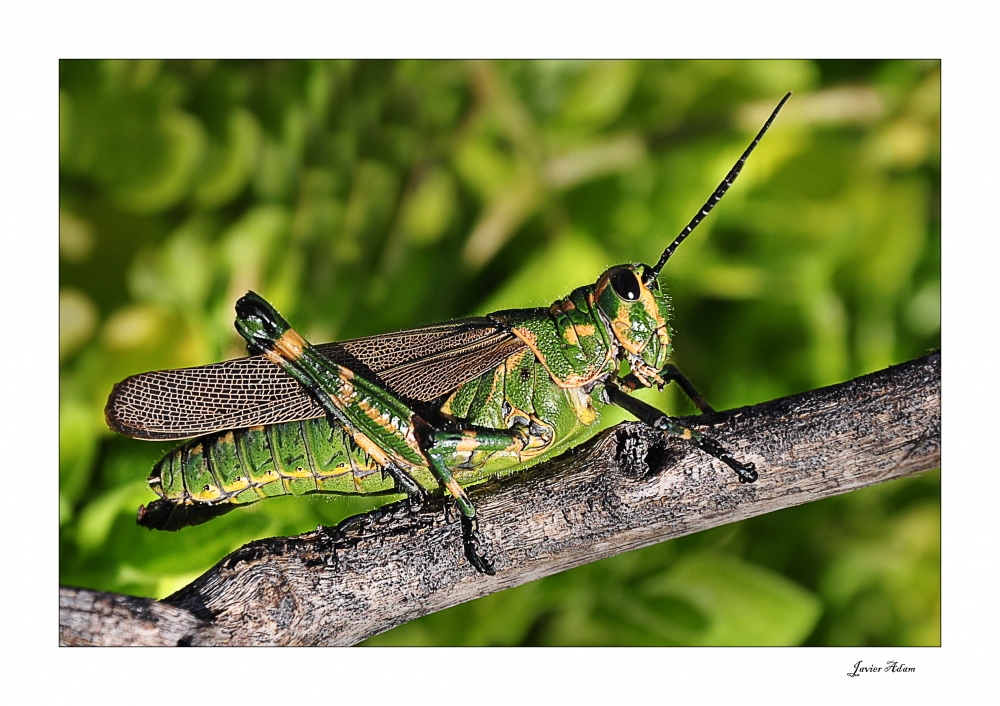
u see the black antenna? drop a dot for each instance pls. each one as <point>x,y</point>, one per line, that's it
<point>718,194</point>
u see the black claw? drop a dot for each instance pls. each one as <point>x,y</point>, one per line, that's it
<point>745,471</point>
<point>471,541</point>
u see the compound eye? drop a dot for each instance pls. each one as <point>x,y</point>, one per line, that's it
<point>626,284</point>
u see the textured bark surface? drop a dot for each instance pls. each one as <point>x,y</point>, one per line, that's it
<point>627,488</point>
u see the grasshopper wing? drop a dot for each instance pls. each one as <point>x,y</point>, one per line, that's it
<point>418,365</point>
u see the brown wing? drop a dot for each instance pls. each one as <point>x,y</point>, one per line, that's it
<point>418,365</point>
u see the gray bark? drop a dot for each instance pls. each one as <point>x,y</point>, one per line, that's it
<point>627,488</point>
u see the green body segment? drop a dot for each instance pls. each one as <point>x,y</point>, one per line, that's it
<point>512,416</point>
<point>247,465</point>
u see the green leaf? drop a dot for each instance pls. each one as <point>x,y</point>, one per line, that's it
<point>568,261</point>
<point>721,600</point>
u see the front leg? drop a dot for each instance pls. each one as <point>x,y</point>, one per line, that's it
<point>668,374</point>
<point>658,420</point>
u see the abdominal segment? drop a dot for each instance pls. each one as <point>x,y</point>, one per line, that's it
<point>246,465</point>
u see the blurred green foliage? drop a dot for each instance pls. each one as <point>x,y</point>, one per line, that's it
<point>364,197</point>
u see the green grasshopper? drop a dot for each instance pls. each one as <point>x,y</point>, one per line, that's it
<point>443,406</point>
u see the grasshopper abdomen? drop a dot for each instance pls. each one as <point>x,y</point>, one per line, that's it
<point>246,465</point>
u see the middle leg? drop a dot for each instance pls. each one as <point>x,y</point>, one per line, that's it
<point>470,448</point>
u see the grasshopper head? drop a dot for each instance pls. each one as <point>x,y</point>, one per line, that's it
<point>630,299</point>
<point>636,309</point>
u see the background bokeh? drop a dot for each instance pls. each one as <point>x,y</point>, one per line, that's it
<point>363,197</point>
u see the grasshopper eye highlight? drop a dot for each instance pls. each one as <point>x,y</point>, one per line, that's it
<point>626,284</point>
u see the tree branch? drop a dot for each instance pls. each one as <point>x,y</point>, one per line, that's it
<point>627,488</point>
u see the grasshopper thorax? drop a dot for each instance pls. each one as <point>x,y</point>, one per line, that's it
<point>634,310</point>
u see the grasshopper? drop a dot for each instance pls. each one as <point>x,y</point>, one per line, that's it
<point>439,407</point>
